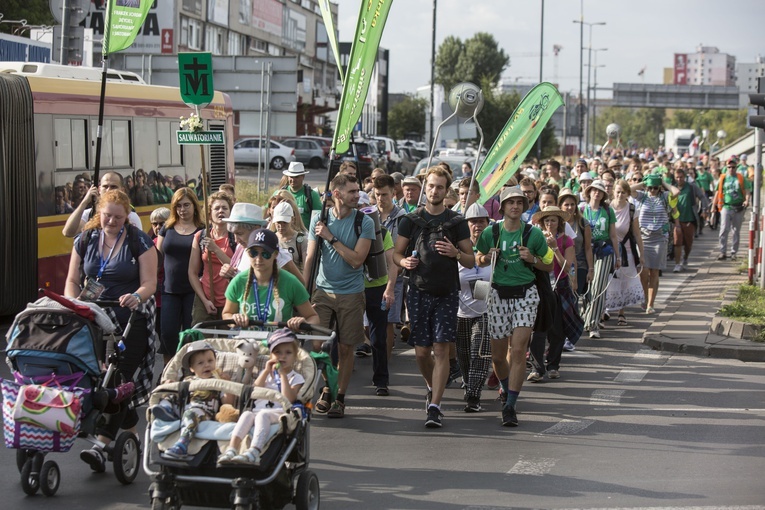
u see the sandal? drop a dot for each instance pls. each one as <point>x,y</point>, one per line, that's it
<point>323,404</point>
<point>251,456</point>
<point>622,320</point>
<point>337,410</point>
<point>227,457</point>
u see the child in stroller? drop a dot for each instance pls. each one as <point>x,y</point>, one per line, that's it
<point>278,375</point>
<point>199,359</point>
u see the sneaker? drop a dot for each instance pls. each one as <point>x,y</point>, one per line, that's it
<point>650,310</point>
<point>405,332</point>
<point>568,346</point>
<point>251,456</point>
<point>382,391</point>
<point>454,374</point>
<point>722,256</point>
<point>121,392</point>
<point>606,316</point>
<point>493,382</point>
<point>95,457</point>
<point>434,418</point>
<point>553,374</point>
<point>363,351</point>
<point>685,263</point>
<point>323,405</point>
<point>595,334</point>
<point>177,451</point>
<point>428,399</point>
<point>733,256</point>
<point>535,376</point>
<point>337,410</point>
<point>509,417</point>
<point>473,405</point>
<point>678,268</point>
<point>164,411</point>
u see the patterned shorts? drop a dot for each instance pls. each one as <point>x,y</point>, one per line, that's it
<point>433,319</point>
<point>507,314</point>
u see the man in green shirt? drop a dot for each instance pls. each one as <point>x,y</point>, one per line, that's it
<point>732,198</point>
<point>306,197</point>
<point>687,201</point>
<point>514,296</point>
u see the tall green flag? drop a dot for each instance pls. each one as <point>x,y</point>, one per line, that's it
<point>123,21</point>
<point>329,24</point>
<point>517,138</point>
<point>369,29</point>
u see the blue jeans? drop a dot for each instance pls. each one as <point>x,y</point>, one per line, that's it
<point>378,334</point>
<point>176,317</point>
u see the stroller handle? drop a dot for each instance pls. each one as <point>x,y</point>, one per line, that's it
<point>308,328</point>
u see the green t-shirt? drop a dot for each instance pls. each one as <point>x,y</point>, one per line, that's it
<point>383,280</point>
<point>686,202</point>
<point>732,192</point>
<point>289,293</point>
<point>510,270</point>
<point>600,221</point>
<point>302,203</point>
<point>704,181</point>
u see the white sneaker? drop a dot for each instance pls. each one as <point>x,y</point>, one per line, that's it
<point>568,346</point>
<point>678,268</point>
<point>685,263</point>
<point>594,334</point>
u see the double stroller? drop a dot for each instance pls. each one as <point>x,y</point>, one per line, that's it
<point>281,477</point>
<point>56,348</point>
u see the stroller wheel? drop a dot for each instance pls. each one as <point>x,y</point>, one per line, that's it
<point>126,458</point>
<point>307,495</point>
<point>30,480</point>
<point>50,478</point>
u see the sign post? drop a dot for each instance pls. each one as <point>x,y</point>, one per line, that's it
<point>196,86</point>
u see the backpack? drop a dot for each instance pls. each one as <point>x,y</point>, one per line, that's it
<point>308,196</point>
<point>720,196</point>
<point>630,236</point>
<point>436,274</point>
<point>357,221</point>
<point>547,298</point>
<point>132,240</point>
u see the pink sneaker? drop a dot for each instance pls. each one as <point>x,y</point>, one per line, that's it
<point>121,392</point>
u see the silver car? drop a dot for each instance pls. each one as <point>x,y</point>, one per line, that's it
<point>247,152</point>
<point>308,152</point>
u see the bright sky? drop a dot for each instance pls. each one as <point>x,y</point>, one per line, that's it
<point>644,33</point>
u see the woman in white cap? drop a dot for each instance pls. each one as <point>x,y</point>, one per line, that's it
<point>294,242</point>
<point>473,342</point>
<point>605,245</point>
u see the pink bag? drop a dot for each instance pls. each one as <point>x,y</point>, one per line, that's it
<point>50,407</point>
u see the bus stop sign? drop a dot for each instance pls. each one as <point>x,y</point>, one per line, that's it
<point>196,79</point>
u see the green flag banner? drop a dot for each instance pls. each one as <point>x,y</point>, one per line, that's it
<point>517,138</point>
<point>123,21</point>
<point>369,31</point>
<point>329,24</point>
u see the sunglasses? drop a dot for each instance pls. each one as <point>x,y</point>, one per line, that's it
<point>157,223</point>
<point>637,179</point>
<point>254,253</point>
<point>653,188</point>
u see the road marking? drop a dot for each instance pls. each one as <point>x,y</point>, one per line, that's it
<point>566,428</point>
<point>650,354</point>
<point>606,397</point>
<point>532,467</point>
<point>581,354</point>
<point>630,376</point>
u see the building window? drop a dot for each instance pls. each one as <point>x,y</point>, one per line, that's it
<point>214,40</point>
<point>193,6</point>
<point>191,33</point>
<point>237,44</point>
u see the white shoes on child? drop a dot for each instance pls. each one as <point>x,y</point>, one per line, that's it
<point>230,456</point>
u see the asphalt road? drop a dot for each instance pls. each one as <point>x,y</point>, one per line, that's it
<point>624,427</point>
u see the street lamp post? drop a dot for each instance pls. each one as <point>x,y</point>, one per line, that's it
<point>594,124</point>
<point>582,23</point>
<point>590,121</point>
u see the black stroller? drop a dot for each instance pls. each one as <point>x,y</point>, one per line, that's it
<point>55,347</point>
<point>281,478</point>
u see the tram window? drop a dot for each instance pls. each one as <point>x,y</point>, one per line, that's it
<point>63,135</point>
<point>79,144</point>
<point>169,151</point>
<point>121,143</point>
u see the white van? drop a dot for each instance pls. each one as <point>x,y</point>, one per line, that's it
<point>390,153</point>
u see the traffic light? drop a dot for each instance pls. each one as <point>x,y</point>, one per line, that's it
<point>757,121</point>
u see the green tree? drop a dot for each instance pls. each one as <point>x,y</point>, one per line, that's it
<point>733,122</point>
<point>477,60</point>
<point>640,127</point>
<point>408,116</point>
<point>35,12</point>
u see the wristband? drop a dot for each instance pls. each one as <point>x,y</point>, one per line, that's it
<point>138,297</point>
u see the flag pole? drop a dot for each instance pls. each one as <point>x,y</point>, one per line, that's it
<point>208,219</point>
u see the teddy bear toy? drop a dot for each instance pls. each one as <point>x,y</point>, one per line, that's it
<point>227,414</point>
<point>247,356</point>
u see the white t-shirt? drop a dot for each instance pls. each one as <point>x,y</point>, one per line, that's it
<point>273,384</point>
<point>133,218</point>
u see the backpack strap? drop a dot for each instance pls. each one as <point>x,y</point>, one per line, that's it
<point>357,221</point>
<point>308,192</point>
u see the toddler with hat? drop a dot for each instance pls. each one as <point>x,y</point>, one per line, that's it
<point>279,375</point>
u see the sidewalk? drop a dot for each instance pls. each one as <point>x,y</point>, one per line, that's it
<point>683,326</point>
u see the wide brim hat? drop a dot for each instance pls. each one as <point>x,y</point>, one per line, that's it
<point>243,212</point>
<point>615,163</point>
<point>193,348</point>
<point>565,192</point>
<point>263,238</point>
<point>282,212</point>
<point>550,210</point>
<point>596,184</point>
<point>295,169</point>
<point>513,192</point>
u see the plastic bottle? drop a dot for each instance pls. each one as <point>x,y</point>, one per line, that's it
<point>384,306</point>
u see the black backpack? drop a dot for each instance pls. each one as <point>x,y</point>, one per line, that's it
<point>132,240</point>
<point>357,220</point>
<point>436,274</point>
<point>308,196</point>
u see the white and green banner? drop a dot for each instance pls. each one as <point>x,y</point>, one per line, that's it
<point>329,24</point>
<point>517,138</point>
<point>123,21</point>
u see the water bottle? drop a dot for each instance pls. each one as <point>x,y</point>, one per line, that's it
<point>384,306</point>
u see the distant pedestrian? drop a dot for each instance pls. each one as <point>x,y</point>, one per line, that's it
<point>732,199</point>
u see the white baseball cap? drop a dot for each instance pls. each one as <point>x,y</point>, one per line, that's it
<point>282,212</point>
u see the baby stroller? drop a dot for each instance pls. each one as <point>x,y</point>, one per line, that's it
<point>55,349</point>
<point>281,477</point>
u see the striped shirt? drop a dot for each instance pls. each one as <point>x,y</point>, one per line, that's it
<point>652,211</point>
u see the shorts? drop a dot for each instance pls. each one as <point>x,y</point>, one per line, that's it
<point>433,319</point>
<point>394,314</point>
<point>346,309</point>
<point>507,314</point>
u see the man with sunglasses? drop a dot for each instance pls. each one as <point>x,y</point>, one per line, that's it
<point>339,294</point>
<point>82,213</point>
<point>732,199</point>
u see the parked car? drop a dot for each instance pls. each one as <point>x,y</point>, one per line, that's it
<point>308,152</point>
<point>389,149</point>
<point>455,163</point>
<point>326,143</point>
<point>367,158</point>
<point>247,152</point>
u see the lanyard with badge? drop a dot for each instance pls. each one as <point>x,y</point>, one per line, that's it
<point>93,287</point>
<point>262,311</point>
